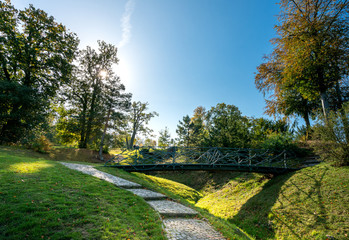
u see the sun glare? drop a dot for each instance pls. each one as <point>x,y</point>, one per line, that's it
<point>123,71</point>
<point>103,73</point>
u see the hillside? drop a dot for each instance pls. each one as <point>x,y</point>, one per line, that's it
<point>312,203</point>
<point>41,199</point>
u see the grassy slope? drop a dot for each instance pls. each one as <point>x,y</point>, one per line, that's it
<point>183,194</point>
<point>312,203</point>
<point>309,204</point>
<point>41,199</point>
<point>72,154</point>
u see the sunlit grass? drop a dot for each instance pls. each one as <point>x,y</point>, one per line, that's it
<point>42,199</point>
<point>181,193</point>
<point>312,203</point>
<point>32,167</point>
<point>181,190</point>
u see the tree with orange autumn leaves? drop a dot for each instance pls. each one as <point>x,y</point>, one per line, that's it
<point>310,61</point>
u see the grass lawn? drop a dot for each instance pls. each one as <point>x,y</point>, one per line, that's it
<point>41,199</point>
<point>183,194</point>
<point>312,203</point>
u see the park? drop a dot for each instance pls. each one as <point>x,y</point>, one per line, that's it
<point>249,138</point>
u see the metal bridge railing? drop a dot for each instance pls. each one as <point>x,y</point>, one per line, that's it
<point>143,156</point>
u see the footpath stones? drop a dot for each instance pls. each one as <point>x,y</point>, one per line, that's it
<point>172,209</point>
<point>147,194</point>
<point>176,228</point>
<point>182,228</point>
<point>119,182</point>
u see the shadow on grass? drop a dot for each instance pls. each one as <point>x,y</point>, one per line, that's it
<point>295,205</point>
<point>305,211</point>
<point>203,181</point>
<point>253,215</point>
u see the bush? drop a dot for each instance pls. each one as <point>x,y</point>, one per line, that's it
<point>278,142</point>
<point>36,140</point>
<point>40,144</point>
<point>330,138</point>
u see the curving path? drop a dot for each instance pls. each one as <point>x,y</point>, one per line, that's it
<point>178,225</point>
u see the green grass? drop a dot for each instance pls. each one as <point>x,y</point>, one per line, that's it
<point>41,199</point>
<point>312,203</point>
<point>183,194</point>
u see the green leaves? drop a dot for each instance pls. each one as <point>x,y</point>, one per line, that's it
<point>310,58</point>
<point>137,121</point>
<point>164,138</point>
<point>36,56</point>
<point>226,127</point>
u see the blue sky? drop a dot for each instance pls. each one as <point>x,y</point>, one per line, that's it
<point>178,54</point>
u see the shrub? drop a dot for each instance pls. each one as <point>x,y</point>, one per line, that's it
<point>278,142</point>
<point>40,144</point>
<point>330,138</point>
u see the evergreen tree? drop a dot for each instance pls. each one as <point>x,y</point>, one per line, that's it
<point>164,138</point>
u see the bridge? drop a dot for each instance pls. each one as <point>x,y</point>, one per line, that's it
<point>143,159</point>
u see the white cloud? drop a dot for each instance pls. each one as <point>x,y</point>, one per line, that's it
<point>126,23</point>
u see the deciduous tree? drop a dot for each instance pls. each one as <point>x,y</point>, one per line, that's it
<point>137,121</point>
<point>36,55</point>
<point>227,127</point>
<point>310,55</point>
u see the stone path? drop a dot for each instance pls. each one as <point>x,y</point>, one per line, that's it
<point>179,228</point>
<point>176,228</point>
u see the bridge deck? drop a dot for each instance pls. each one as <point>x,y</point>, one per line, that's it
<point>204,167</point>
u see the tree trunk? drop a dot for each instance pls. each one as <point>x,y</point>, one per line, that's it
<point>83,126</point>
<point>91,115</point>
<point>127,143</point>
<point>325,105</point>
<point>103,136</point>
<point>344,118</point>
<point>306,119</point>
<point>132,140</point>
<point>307,125</point>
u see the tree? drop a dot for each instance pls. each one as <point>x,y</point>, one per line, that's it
<point>137,121</point>
<point>116,103</point>
<point>191,131</point>
<point>164,138</point>
<point>67,126</point>
<point>227,127</point>
<point>285,100</point>
<point>95,93</point>
<point>260,129</point>
<point>313,45</point>
<point>199,130</point>
<point>92,64</point>
<point>310,58</point>
<point>149,142</point>
<point>185,130</point>
<point>96,97</point>
<point>36,56</point>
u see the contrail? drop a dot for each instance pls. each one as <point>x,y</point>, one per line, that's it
<point>126,24</point>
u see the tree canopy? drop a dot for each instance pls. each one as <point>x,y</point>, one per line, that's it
<point>309,64</point>
<point>36,56</point>
<point>95,97</point>
<point>164,138</point>
<point>136,122</point>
